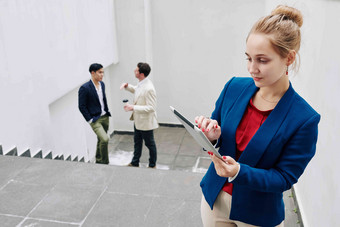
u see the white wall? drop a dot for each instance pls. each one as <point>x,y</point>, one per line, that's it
<point>46,47</point>
<point>130,24</point>
<point>196,48</point>
<point>319,81</point>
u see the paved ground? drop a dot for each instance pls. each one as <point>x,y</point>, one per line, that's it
<point>176,150</point>
<point>38,192</point>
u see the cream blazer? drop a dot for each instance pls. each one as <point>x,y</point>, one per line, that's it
<point>144,113</point>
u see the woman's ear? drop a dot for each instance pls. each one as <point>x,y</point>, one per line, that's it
<point>291,57</point>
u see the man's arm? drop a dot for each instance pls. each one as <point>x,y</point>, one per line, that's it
<point>128,87</point>
<point>82,103</point>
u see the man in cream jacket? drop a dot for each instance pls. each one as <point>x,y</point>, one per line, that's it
<point>143,114</point>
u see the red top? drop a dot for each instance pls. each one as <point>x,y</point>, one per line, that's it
<point>251,121</point>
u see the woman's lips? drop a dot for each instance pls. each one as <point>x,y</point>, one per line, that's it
<point>257,78</point>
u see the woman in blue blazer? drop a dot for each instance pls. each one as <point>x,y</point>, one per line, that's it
<point>265,131</point>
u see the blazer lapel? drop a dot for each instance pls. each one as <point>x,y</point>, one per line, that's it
<point>94,91</point>
<point>234,116</point>
<point>141,90</point>
<point>258,144</point>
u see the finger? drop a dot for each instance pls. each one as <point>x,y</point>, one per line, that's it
<point>229,160</point>
<point>199,122</point>
<point>205,123</point>
<point>216,159</point>
<point>211,125</point>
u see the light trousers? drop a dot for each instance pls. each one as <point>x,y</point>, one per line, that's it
<point>219,216</point>
<point>100,127</point>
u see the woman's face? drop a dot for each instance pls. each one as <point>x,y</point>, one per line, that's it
<point>265,66</point>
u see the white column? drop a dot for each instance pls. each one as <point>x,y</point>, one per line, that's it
<point>148,33</point>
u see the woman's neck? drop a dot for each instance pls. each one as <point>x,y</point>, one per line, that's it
<point>275,92</point>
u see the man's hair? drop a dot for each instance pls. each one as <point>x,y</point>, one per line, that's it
<point>95,67</point>
<point>144,68</point>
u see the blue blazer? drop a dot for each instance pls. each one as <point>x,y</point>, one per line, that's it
<point>273,160</point>
<point>88,101</point>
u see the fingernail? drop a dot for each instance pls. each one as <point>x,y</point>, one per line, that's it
<point>202,129</point>
<point>199,126</point>
<point>196,121</point>
<point>216,126</point>
<point>224,157</point>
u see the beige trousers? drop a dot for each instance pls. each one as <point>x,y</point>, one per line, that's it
<point>219,216</point>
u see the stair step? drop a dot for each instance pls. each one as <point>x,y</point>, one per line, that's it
<point>26,153</point>
<point>38,154</point>
<point>59,157</point>
<point>49,155</point>
<point>13,152</point>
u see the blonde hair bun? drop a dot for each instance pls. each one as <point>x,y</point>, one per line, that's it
<point>290,12</point>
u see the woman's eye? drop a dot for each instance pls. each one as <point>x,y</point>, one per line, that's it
<point>263,61</point>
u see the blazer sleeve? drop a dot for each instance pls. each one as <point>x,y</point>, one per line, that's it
<point>131,88</point>
<point>82,103</point>
<point>295,156</point>
<point>150,103</point>
<point>216,115</point>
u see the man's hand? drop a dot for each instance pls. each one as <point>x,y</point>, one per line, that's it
<point>123,85</point>
<point>128,107</point>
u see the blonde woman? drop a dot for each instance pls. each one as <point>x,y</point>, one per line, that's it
<point>265,131</point>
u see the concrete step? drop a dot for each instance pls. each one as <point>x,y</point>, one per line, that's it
<point>12,152</point>
<point>38,154</point>
<point>48,156</point>
<point>26,153</point>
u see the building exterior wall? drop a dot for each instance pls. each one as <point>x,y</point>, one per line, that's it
<point>46,48</point>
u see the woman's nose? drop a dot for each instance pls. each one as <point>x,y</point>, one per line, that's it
<point>252,68</point>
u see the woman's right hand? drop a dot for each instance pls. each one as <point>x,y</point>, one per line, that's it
<point>209,127</point>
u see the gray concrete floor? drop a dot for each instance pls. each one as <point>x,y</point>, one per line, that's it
<point>39,192</point>
<point>176,150</point>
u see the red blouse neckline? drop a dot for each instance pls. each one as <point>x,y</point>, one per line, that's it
<point>264,112</point>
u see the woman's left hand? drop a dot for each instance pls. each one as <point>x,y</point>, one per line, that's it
<point>227,167</point>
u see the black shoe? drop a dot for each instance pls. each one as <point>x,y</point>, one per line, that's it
<point>152,167</point>
<point>131,165</point>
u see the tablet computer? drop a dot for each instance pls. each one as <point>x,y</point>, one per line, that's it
<point>195,132</point>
